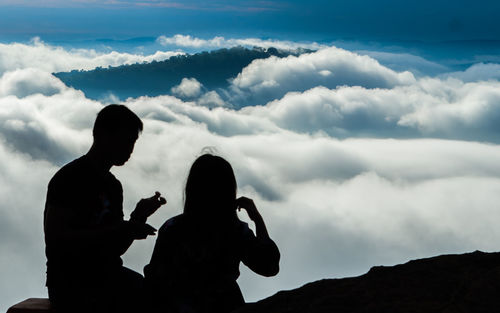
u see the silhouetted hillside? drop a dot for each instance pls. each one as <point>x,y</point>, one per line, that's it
<point>212,69</point>
<point>450,283</point>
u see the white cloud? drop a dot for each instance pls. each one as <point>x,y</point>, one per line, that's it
<point>188,88</point>
<point>342,112</point>
<point>267,79</point>
<point>430,107</point>
<point>211,99</point>
<point>464,110</point>
<point>36,122</point>
<point>188,41</point>
<point>25,82</point>
<point>477,72</point>
<point>308,187</point>
<point>335,207</point>
<point>50,58</point>
<point>406,62</point>
<point>349,68</point>
<point>22,191</point>
<point>220,120</point>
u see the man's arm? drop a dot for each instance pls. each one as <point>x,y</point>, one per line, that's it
<point>115,238</point>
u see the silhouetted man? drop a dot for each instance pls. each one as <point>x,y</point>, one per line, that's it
<point>85,232</point>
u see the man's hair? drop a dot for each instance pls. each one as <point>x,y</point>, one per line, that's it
<point>116,118</point>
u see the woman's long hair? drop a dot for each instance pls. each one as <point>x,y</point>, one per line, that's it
<point>211,190</point>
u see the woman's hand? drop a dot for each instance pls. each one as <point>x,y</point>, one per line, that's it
<point>249,206</point>
<point>254,215</point>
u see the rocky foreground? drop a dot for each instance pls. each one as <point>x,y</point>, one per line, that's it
<point>448,283</point>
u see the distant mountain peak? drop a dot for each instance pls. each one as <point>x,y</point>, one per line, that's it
<point>212,69</point>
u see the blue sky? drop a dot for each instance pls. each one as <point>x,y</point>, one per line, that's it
<point>313,20</point>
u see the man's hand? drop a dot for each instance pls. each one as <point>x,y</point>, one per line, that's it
<point>146,207</point>
<point>249,206</point>
<point>141,230</point>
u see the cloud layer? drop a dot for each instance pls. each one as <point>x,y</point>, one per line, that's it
<point>42,56</point>
<point>267,79</point>
<point>327,159</point>
<point>218,42</point>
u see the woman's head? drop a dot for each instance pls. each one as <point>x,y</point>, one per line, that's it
<point>210,188</point>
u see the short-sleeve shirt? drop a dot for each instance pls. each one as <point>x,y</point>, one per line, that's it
<point>80,198</point>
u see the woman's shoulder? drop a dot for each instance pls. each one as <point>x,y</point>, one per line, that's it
<point>172,224</point>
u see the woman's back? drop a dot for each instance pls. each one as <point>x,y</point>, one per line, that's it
<point>196,258</point>
<point>193,270</point>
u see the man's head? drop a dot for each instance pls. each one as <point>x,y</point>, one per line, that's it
<point>116,129</point>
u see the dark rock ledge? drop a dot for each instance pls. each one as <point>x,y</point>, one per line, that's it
<point>448,283</point>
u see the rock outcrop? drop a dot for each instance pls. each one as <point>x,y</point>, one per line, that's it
<point>448,283</point>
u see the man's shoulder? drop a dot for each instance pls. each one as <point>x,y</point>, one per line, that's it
<point>70,176</point>
<point>69,171</point>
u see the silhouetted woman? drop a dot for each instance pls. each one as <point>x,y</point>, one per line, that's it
<point>196,258</point>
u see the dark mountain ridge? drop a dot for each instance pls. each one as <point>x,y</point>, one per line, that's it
<point>213,69</point>
<point>447,284</point>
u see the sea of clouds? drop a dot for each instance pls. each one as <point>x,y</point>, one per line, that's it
<point>352,163</point>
